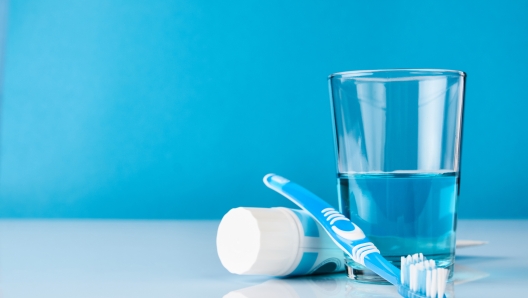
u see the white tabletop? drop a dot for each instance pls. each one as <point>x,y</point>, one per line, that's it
<point>104,258</point>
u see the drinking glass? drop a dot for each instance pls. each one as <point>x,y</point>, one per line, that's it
<point>397,138</point>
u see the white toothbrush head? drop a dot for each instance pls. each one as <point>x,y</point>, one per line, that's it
<point>420,278</point>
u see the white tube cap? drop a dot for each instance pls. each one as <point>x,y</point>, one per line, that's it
<point>262,241</point>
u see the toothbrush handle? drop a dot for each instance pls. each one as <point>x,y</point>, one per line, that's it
<point>348,236</point>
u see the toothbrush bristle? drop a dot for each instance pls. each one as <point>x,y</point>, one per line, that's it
<point>422,277</point>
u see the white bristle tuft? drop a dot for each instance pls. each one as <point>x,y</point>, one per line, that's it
<point>411,277</point>
<point>422,277</point>
<point>428,283</point>
<point>441,283</point>
<point>433,283</point>
<point>402,273</point>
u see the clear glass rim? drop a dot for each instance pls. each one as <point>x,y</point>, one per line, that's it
<point>396,73</point>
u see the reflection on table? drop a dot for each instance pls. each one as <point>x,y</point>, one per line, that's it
<point>339,286</point>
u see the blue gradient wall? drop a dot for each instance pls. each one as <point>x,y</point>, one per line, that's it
<point>177,109</point>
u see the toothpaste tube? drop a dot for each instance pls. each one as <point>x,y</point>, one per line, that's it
<point>276,242</point>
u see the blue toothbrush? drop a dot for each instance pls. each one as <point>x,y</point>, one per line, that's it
<point>418,278</point>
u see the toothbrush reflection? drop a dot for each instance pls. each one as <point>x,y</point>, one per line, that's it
<point>339,286</point>
<point>311,287</point>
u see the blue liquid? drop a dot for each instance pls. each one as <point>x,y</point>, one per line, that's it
<point>403,213</point>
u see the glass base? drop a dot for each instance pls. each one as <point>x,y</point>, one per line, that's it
<point>365,276</point>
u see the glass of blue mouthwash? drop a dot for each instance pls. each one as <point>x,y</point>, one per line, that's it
<point>398,137</point>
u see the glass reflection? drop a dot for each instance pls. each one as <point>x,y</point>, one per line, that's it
<point>339,286</point>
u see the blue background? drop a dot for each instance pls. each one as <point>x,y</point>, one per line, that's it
<point>177,109</point>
